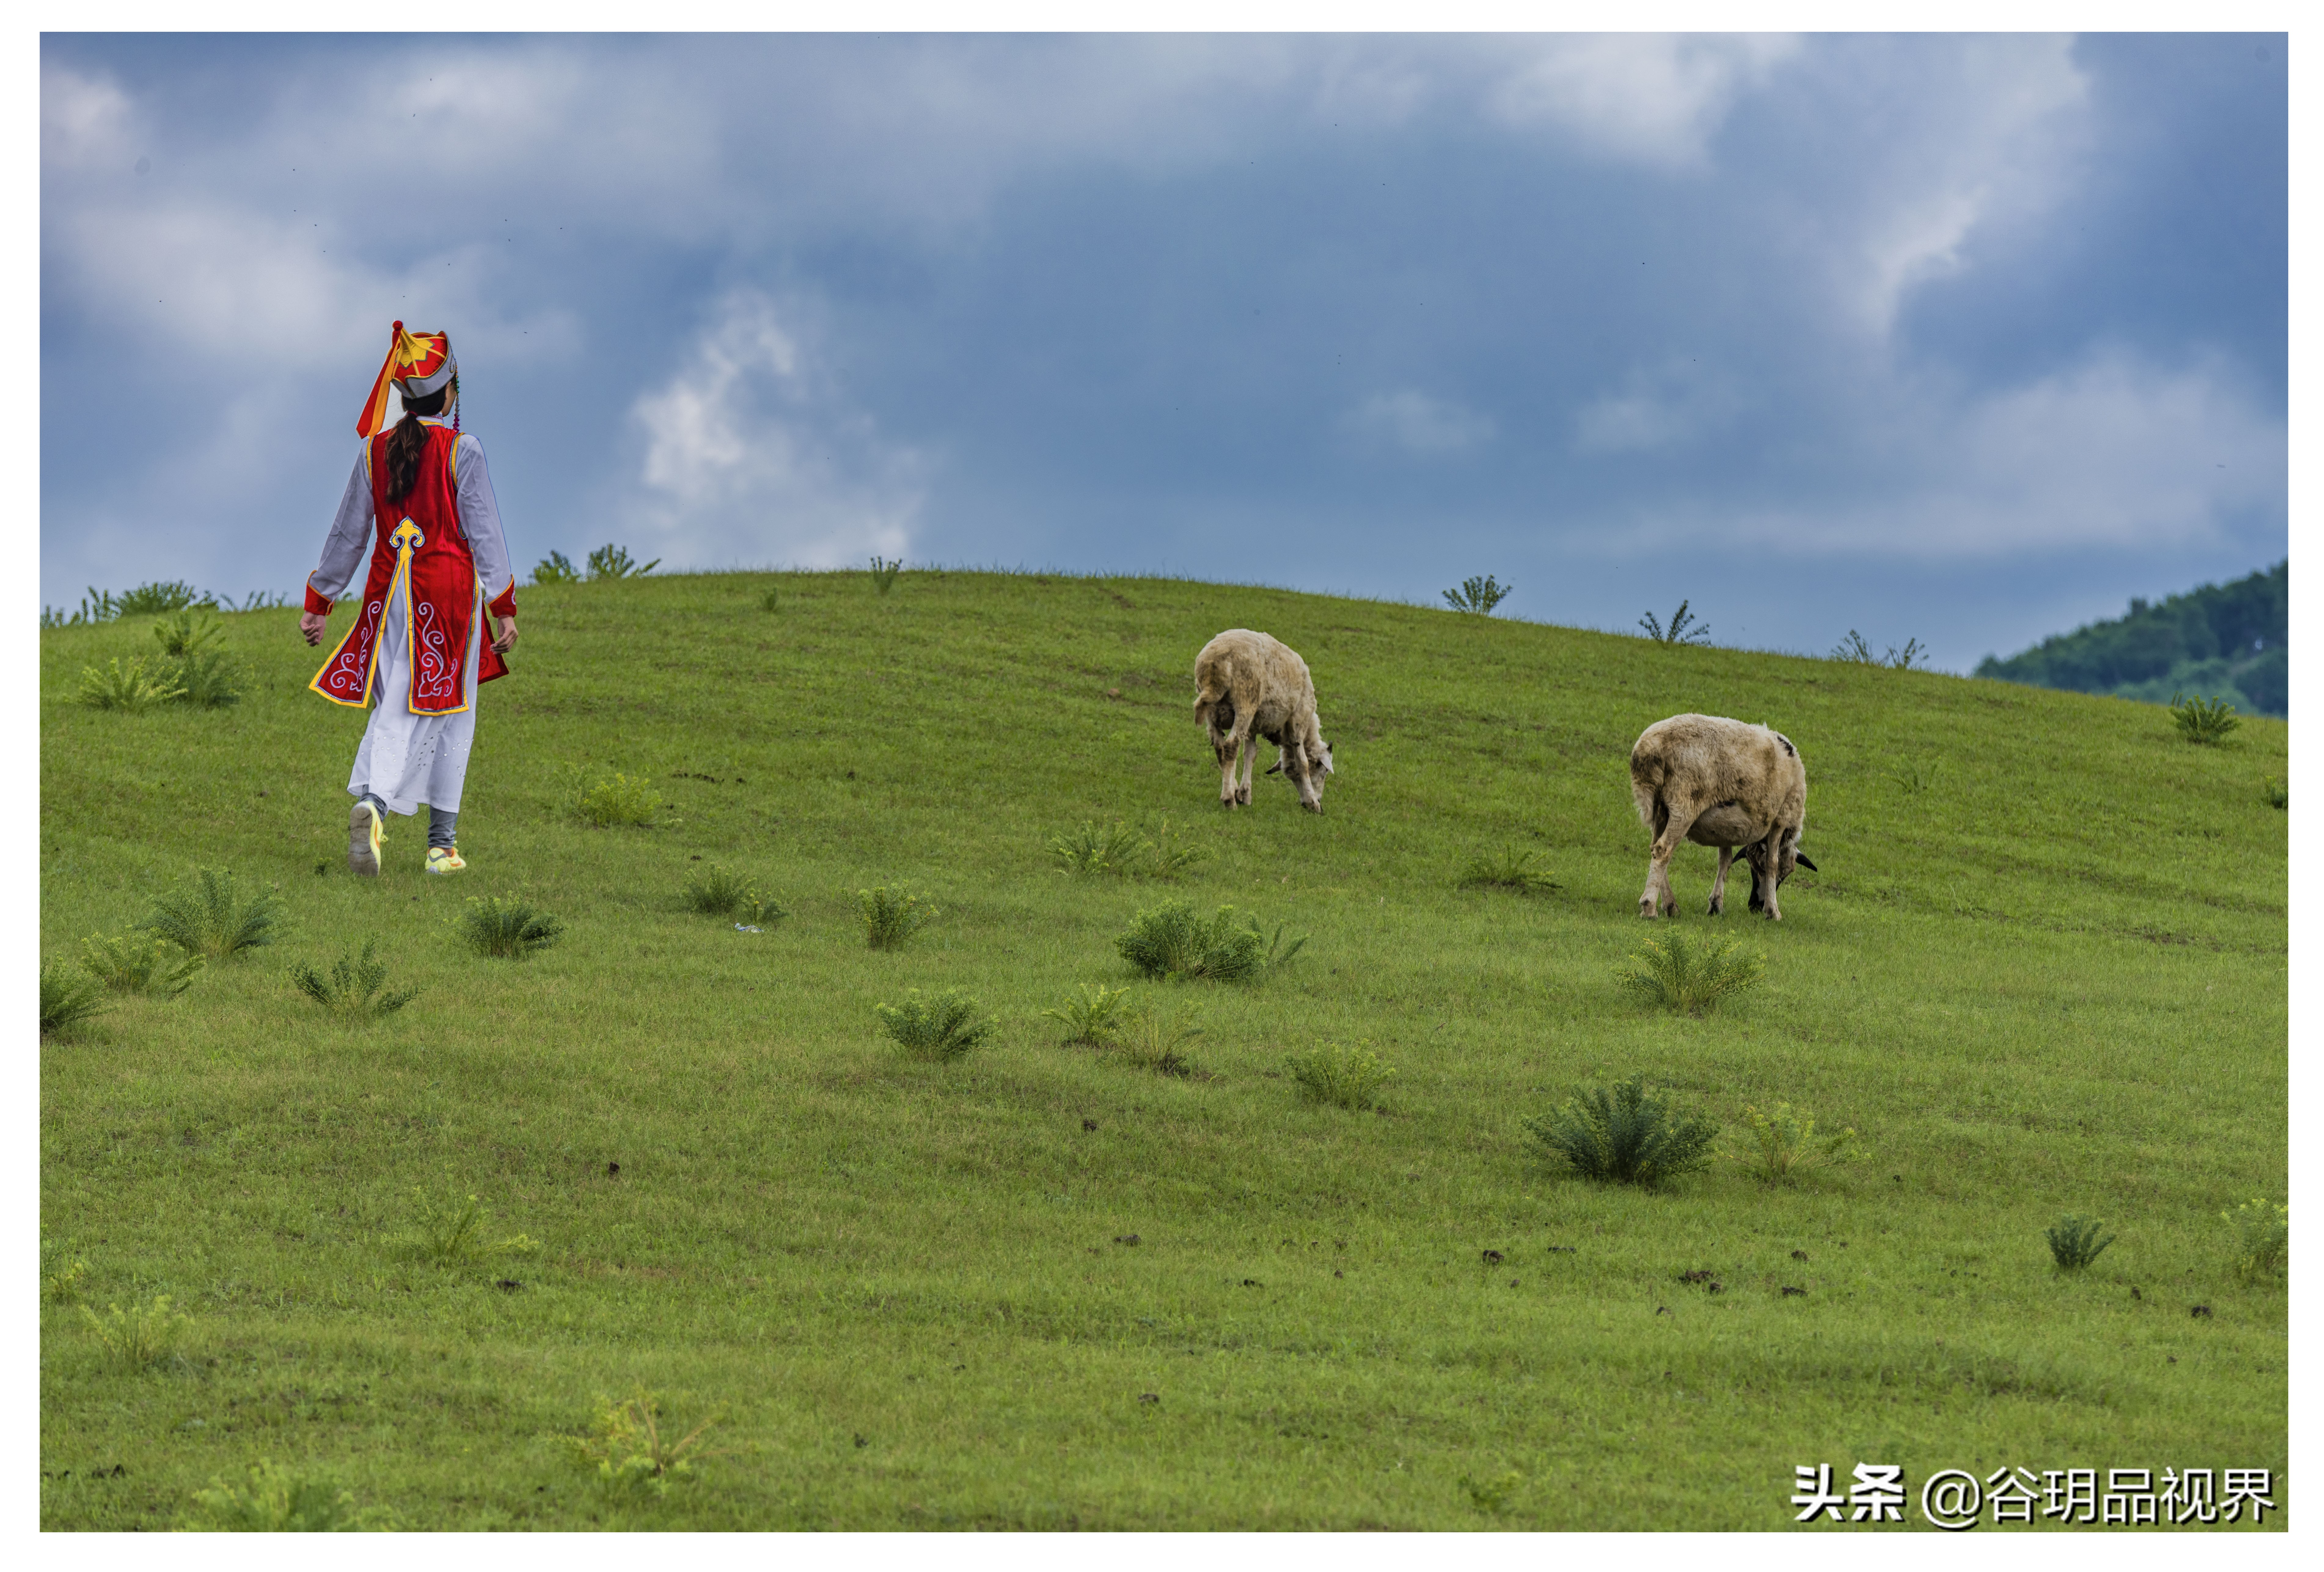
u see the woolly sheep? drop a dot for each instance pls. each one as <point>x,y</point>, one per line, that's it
<point>1247,685</point>
<point>1722,783</point>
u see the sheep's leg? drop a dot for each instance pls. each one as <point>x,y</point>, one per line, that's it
<point>1775,861</point>
<point>1718,884</point>
<point>1223,746</point>
<point>1250,758</point>
<point>1657,898</point>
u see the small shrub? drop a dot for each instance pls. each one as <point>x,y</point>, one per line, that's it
<point>627,1454</point>
<point>208,679</point>
<point>2201,720</point>
<point>884,571</point>
<point>1117,849</point>
<point>1090,1015</point>
<point>129,963</point>
<point>942,1028</point>
<point>2273,792</point>
<point>2075,1243</point>
<point>1491,1494</point>
<point>556,568</point>
<point>1156,1039</point>
<point>1165,860</point>
<point>356,989</point>
<point>69,1000</point>
<point>1670,972</point>
<point>2263,1239</point>
<point>130,688</point>
<point>279,1500</point>
<point>448,1230</point>
<point>1784,1142</point>
<point>61,1275</point>
<point>721,893</point>
<point>1478,596</point>
<point>1853,650</point>
<point>1346,1078</point>
<point>1173,941</point>
<point>1512,870</point>
<point>766,601</point>
<point>162,595</point>
<point>507,927</point>
<point>609,800</point>
<point>208,917</point>
<point>613,562</point>
<point>135,1340</point>
<point>186,634</point>
<point>890,915</point>
<point>1682,629</point>
<point>1628,1134</point>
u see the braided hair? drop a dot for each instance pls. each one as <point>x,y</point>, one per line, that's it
<point>409,439</point>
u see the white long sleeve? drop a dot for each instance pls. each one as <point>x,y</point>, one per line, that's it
<point>349,544</point>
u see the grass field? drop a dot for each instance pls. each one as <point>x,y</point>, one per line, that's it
<point>2042,971</point>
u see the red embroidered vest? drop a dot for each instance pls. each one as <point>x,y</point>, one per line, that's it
<point>420,543</point>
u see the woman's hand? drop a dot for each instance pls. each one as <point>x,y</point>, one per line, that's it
<point>312,625</point>
<point>503,634</point>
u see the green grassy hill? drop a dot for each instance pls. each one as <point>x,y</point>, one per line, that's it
<point>2042,970</point>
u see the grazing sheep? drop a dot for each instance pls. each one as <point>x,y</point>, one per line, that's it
<point>1248,683</point>
<point>1720,783</point>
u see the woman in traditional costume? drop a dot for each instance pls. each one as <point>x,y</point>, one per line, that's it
<point>422,500</point>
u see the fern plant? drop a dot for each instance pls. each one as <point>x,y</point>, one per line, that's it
<point>610,801</point>
<point>1853,650</point>
<point>507,927</point>
<point>556,568</point>
<point>1478,596</point>
<point>1173,940</point>
<point>1091,1016</point>
<point>136,1340</point>
<point>626,1453</point>
<point>1116,848</point>
<point>69,1000</point>
<point>2201,720</point>
<point>1684,629</point>
<point>450,1230</point>
<point>1346,1078</point>
<point>721,893</point>
<point>132,688</point>
<point>207,916</point>
<point>890,915</point>
<point>1154,1038</point>
<point>279,1500</point>
<point>613,562</point>
<point>1671,972</point>
<point>1512,870</point>
<point>884,571</point>
<point>1784,1142</point>
<point>355,987</point>
<point>1626,1135</point>
<point>130,963</point>
<point>942,1028</point>
<point>2074,1243</point>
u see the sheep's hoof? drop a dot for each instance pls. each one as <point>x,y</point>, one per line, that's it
<point>1718,909</point>
<point>1647,909</point>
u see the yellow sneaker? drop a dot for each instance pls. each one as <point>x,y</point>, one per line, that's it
<point>443,859</point>
<point>365,833</point>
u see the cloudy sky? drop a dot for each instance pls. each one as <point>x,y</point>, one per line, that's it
<point>1964,338</point>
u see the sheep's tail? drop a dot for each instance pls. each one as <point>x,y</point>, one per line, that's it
<point>1211,684</point>
<point>1645,790</point>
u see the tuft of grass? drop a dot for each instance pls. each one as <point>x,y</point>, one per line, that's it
<point>208,679</point>
<point>356,989</point>
<point>2263,1239</point>
<point>158,596</point>
<point>280,1500</point>
<point>1853,650</point>
<point>1116,848</point>
<point>129,688</point>
<point>1492,1494</point>
<point>130,964</point>
<point>942,1028</point>
<point>884,571</point>
<point>2201,720</point>
<point>507,927</point>
<point>556,568</point>
<point>609,800</point>
<point>625,1451</point>
<point>1173,940</point>
<point>1670,972</point>
<point>613,562</point>
<point>723,892</point>
<point>1346,1078</point>
<point>186,634</point>
<point>448,1230</point>
<point>62,1277</point>
<point>1512,870</point>
<point>768,601</point>
<point>1684,629</point>
<point>1165,860</point>
<point>1091,1016</point>
<point>132,1341</point>
<point>1478,596</point>
<point>2273,791</point>
<point>1784,1142</point>
<point>1154,1038</point>
<point>1628,1134</point>
<point>68,1001</point>
<point>207,916</point>
<point>2074,1243</point>
<point>890,915</point>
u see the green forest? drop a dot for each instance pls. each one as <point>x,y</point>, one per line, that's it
<point>2224,641</point>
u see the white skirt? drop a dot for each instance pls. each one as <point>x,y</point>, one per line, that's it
<point>407,760</point>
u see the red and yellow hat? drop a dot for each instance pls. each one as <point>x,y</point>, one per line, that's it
<point>417,364</point>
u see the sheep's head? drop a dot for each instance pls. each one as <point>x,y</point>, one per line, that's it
<point>1306,765</point>
<point>1757,856</point>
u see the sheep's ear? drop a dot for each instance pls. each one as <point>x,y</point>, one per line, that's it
<point>1803,862</point>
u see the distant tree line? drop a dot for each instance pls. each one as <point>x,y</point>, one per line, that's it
<point>2221,640</point>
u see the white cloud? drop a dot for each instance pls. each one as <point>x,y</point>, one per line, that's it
<point>752,456</point>
<point>1664,407</point>
<point>1418,424</point>
<point>1654,98</point>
